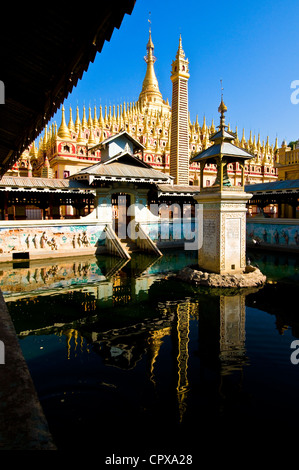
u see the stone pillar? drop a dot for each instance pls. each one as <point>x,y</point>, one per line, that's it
<point>223,249</point>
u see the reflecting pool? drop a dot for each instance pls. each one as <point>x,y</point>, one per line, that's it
<point>125,357</point>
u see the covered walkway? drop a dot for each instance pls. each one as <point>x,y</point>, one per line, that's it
<point>277,199</point>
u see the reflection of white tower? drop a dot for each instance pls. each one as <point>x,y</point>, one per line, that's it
<point>183,318</point>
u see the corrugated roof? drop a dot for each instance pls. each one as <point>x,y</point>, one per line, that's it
<point>177,189</point>
<point>274,186</point>
<point>117,170</point>
<point>18,182</point>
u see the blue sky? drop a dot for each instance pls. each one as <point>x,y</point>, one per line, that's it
<point>251,45</point>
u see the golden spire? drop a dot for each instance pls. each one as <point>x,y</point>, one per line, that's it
<point>204,126</point>
<point>124,112</point>
<point>63,131</point>
<point>243,141</point>
<point>250,139</point>
<point>254,147</point>
<point>258,142</point>
<point>84,121</point>
<point>113,115</point>
<point>89,122</point>
<point>150,87</point>
<point>95,118</point>
<point>109,116</point>
<point>101,119</point>
<point>77,122</point>
<point>212,128</point>
<point>80,138</point>
<point>54,128</point>
<point>45,139</point>
<point>91,139</point>
<point>33,151</point>
<point>117,115</point>
<point>71,125</point>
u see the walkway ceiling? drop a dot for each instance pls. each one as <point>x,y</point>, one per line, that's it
<point>44,52</point>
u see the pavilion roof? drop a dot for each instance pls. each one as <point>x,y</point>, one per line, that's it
<point>123,167</point>
<point>225,149</point>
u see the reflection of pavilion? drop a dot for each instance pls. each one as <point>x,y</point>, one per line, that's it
<point>232,333</point>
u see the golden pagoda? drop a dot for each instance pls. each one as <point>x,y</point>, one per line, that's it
<point>148,120</point>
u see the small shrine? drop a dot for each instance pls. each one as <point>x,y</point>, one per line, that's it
<point>223,245</point>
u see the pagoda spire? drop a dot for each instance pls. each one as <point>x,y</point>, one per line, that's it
<point>95,119</point>
<point>150,88</point>
<point>71,125</point>
<point>84,120</point>
<point>63,131</point>
<point>77,122</point>
<point>80,138</point>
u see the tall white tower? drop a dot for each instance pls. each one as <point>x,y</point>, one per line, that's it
<point>179,144</point>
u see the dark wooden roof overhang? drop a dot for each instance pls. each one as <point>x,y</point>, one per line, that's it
<point>44,52</point>
<point>276,192</point>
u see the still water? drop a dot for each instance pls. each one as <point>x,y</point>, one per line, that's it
<point>125,358</point>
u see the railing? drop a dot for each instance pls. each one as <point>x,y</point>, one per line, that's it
<point>113,243</point>
<point>144,242</point>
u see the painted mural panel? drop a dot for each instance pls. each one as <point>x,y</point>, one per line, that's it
<point>50,238</point>
<point>271,234</point>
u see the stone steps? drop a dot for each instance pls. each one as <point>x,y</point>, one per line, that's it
<point>129,245</point>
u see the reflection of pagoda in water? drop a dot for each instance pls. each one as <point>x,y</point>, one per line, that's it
<point>124,336</point>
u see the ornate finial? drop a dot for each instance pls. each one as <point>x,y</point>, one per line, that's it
<point>222,108</point>
<point>150,46</point>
